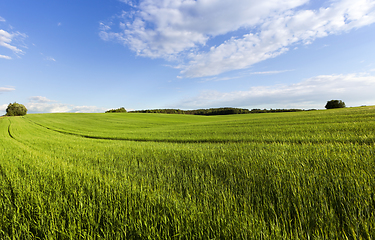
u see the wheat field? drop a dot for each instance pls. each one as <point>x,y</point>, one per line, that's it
<point>303,175</point>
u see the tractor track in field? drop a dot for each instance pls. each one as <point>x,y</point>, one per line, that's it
<point>9,132</point>
<point>143,140</point>
<point>18,140</point>
<point>138,140</point>
<point>267,141</point>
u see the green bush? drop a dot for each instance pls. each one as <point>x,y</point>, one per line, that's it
<point>16,109</point>
<point>335,104</point>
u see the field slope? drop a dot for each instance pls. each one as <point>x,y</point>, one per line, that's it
<point>304,175</point>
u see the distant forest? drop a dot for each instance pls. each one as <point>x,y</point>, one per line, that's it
<point>216,111</point>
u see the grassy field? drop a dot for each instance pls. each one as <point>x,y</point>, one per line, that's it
<point>305,175</point>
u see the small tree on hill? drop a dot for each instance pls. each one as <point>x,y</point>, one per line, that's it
<point>16,109</point>
<point>335,104</point>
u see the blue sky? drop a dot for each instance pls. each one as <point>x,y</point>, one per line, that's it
<point>90,56</point>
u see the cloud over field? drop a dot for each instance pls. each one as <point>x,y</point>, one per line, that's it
<point>189,32</point>
<point>39,104</point>
<point>6,39</point>
<point>11,41</point>
<point>3,107</point>
<point>5,57</point>
<point>353,89</point>
<point>6,89</point>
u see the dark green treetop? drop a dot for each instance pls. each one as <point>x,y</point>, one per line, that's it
<point>16,109</point>
<point>118,110</point>
<point>335,104</point>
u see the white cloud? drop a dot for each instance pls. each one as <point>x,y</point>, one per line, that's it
<point>270,72</point>
<point>6,39</point>
<point>87,109</point>
<point>5,57</point>
<point>47,58</point>
<point>3,108</point>
<point>256,31</point>
<point>279,33</point>
<point>40,99</point>
<point>40,107</point>
<point>6,89</point>
<point>104,27</point>
<point>353,89</point>
<point>243,74</point>
<point>39,104</point>
<point>2,19</point>
<point>167,28</point>
<point>50,59</point>
<point>216,79</point>
<point>129,2</point>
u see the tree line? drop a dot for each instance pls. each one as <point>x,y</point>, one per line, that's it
<point>216,111</point>
<point>227,110</point>
<point>16,109</point>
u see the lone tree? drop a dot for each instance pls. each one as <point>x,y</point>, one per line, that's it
<point>335,104</point>
<point>16,109</point>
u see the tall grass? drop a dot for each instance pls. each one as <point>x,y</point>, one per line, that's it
<point>191,177</point>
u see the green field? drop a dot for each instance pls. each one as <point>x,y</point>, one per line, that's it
<point>303,175</point>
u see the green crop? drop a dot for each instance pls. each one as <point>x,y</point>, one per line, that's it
<point>305,175</point>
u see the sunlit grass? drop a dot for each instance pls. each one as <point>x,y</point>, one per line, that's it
<point>305,175</point>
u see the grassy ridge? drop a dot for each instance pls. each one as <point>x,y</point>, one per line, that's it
<point>269,178</point>
<point>344,125</point>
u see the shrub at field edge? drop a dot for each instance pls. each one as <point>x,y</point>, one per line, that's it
<point>16,109</point>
